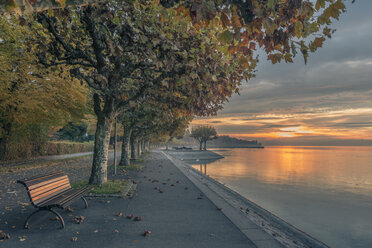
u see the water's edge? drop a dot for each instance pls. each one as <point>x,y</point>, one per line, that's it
<point>275,227</point>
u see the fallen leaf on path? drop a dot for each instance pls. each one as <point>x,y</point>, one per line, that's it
<point>74,239</point>
<point>219,209</point>
<point>212,234</point>
<point>4,235</point>
<point>119,214</point>
<point>129,216</point>
<point>69,209</point>
<point>199,198</point>
<point>172,185</point>
<point>95,231</point>
<point>116,231</point>
<point>78,219</point>
<point>137,218</point>
<point>54,218</point>
<point>146,233</point>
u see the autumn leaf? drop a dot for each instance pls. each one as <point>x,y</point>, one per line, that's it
<point>4,235</point>
<point>78,219</point>
<point>137,218</point>
<point>226,37</point>
<point>69,209</point>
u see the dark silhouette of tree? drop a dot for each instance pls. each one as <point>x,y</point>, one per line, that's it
<point>203,134</point>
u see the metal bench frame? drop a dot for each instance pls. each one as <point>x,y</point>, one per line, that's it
<point>52,190</point>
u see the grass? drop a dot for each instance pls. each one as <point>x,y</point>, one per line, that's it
<point>132,167</point>
<point>67,142</point>
<point>111,187</point>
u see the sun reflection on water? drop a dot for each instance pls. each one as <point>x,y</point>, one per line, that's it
<point>338,167</point>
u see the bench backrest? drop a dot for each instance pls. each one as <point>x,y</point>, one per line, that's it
<point>44,187</point>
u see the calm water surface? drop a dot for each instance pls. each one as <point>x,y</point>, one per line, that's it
<point>324,191</point>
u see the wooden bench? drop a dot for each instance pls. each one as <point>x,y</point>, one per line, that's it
<point>50,191</point>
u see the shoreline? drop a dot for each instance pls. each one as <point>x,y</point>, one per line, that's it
<point>243,212</point>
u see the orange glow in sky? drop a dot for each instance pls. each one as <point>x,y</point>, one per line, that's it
<point>333,124</point>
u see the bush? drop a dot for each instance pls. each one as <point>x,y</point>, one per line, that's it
<point>66,147</point>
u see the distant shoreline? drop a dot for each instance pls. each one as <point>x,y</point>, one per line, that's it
<point>260,147</point>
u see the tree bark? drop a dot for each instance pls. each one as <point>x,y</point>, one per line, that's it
<point>143,145</point>
<point>139,147</point>
<point>201,145</point>
<point>147,145</point>
<point>205,145</point>
<point>101,148</point>
<point>125,149</point>
<point>134,147</point>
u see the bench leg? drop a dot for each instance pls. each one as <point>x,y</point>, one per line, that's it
<point>45,209</point>
<point>85,201</point>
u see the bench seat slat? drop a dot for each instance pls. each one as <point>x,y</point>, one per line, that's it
<point>48,187</point>
<point>79,193</point>
<point>41,178</point>
<point>43,183</point>
<point>51,193</point>
<point>61,199</point>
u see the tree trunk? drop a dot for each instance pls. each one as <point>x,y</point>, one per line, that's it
<point>143,146</point>
<point>205,145</point>
<point>101,148</point>
<point>201,145</point>
<point>139,147</point>
<point>133,147</point>
<point>125,149</point>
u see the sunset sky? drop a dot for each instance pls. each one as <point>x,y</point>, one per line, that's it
<point>326,102</point>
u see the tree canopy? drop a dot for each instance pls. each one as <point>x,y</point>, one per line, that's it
<point>203,134</point>
<point>126,52</point>
<point>32,99</point>
<point>187,56</point>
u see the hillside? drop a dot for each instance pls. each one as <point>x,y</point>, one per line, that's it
<point>230,142</point>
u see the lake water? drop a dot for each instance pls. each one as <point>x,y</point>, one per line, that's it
<point>324,191</point>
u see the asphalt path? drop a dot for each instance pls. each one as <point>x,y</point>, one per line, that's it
<point>171,208</point>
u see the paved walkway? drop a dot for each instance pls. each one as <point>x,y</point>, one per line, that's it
<point>170,206</point>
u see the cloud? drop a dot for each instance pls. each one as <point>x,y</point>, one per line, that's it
<point>327,100</point>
